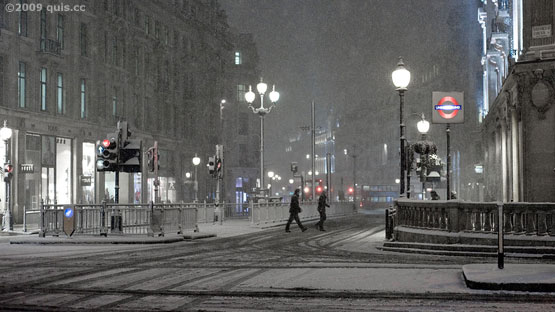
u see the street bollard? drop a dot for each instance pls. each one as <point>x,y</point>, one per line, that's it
<point>500,260</point>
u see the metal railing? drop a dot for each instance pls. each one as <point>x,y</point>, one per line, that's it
<point>101,219</point>
<point>457,216</point>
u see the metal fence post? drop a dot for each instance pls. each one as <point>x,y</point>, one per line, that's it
<point>151,227</point>
<point>24,218</point>
<point>42,232</point>
<point>163,220</point>
<point>103,229</point>
<point>56,230</point>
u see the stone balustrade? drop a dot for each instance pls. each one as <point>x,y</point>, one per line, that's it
<point>460,216</point>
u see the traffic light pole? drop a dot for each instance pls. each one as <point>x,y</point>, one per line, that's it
<point>156,182</point>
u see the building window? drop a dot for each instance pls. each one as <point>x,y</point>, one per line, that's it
<point>115,5</point>
<point>83,39</point>
<point>147,24</point>
<point>83,99</point>
<point>241,90</point>
<point>21,85</point>
<point>43,77</point>
<point>43,30</point>
<point>60,94</point>
<point>137,63</point>
<point>243,124</point>
<point>115,51</point>
<point>60,31</point>
<point>157,30</point>
<point>115,102</point>
<point>136,16</point>
<point>22,23</point>
<point>238,58</point>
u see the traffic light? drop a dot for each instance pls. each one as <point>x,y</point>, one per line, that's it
<point>318,189</point>
<point>107,153</point>
<point>130,155</point>
<point>8,172</point>
<point>211,165</point>
<point>219,161</point>
<point>351,190</point>
<point>153,158</point>
<point>218,167</point>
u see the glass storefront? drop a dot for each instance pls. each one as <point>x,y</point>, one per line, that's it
<point>48,170</point>
<point>88,175</point>
<point>166,190</point>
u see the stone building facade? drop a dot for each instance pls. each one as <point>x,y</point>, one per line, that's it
<point>518,132</point>
<point>66,78</point>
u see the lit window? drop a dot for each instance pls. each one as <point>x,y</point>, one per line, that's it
<point>115,103</point>
<point>43,77</point>
<point>238,59</point>
<point>60,106</point>
<point>241,90</point>
<point>21,84</point>
<point>83,99</point>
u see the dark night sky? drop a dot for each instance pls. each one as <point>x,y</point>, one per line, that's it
<point>341,53</point>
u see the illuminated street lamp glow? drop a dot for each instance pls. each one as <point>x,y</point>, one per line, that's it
<point>400,76</point>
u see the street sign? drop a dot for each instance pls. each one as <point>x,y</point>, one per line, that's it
<point>69,220</point>
<point>86,180</point>
<point>27,168</point>
<point>447,107</point>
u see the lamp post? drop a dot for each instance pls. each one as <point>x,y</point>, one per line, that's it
<point>262,111</point>
<point>401,79</point>
<point>423,126</point>
<point>271,175</point>
<point>7,221</point>
<point>196,162</point>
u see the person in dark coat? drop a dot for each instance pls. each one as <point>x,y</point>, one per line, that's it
<point>294,210</point>
<point>322,204</point>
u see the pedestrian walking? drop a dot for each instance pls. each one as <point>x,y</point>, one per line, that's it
<point>294,210</point>
<point>322,204</point>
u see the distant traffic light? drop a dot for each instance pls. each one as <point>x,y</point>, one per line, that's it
<point>153,159</point>
<point>211,165</point>
<point>351,190</point>
<point>218,167</point>
<point>8,172</point>
<point>319,189</point>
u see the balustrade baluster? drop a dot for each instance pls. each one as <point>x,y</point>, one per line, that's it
<point>542,225</point>
<point>508,226</point>
<point>468,220</point>
<point>435,216</point>
<point>486,226</point>
<point>518,222</point>
<point>530,222</point>
<point>552,224</point>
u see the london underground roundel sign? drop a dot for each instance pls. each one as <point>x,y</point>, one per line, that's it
<point>447,107</point>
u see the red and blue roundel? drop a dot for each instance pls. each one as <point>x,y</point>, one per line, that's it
<point>448,107</point>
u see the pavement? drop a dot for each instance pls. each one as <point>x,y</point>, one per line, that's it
<point>513,277</point>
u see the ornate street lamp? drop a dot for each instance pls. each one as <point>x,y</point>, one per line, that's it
<point>7,221</point>
<point>196,162</point>
<point>262,111</point>
<point>401,79</point>
<point>424,148</point>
